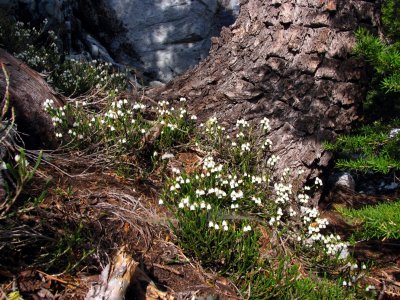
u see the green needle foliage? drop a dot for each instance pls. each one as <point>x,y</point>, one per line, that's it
<point>371,148</point>
<point>377,222</point>
<point>383,56</point>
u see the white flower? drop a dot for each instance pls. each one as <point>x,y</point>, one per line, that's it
<point>369,288</point>
<point>216,226</point>
<point>182,99</point>
<point>167,156</point>
<point>247,228</point>
<point>265,124</point>
<point>193,117</point>
<point>161,201</point>
<point>318,181</point>
<point>211,224</point>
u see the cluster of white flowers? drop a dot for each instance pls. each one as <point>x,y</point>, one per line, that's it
<point>236,195</point>
<point>245,147</point>
<point>257,200</point>
<point>218,192</point>
<point>210,166</point>
<point>267,144</point>
<point>271,162</point>
<point>332,243</point>
<point>247,228</point>
<point>265,124</point>
<point>283,192</point>
<point>241,123</point>
<point>216,226</point>
<point>48,104</point>
<point>303,198</point>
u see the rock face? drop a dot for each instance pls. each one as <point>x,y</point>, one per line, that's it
<point>289,61</point>
<point>160,38</point>
<point>164,37</point>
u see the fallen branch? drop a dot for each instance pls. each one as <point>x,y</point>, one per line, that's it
<point>115,278</point>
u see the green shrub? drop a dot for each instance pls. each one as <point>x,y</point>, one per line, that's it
<point>380,221</point>
<point>370,148</point>
<point>224,209</point>
<point>384,58</point>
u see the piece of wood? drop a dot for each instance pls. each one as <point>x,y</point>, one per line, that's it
<point>115,278</point>
<point>28,91</point>
<point>118,276</point>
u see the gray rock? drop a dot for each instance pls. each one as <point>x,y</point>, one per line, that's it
<point>342,179</point>
<point>392,186</point>
<point>97,50</point>
<point>169,35</point>
<point>164,38</point>
<point>156,83</point>
<point>394,132</point>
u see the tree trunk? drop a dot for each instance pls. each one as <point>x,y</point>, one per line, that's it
<point>289,61</point>
<point>28,90</point>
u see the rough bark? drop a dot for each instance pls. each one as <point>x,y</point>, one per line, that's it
<point>289,61</point>
<point>28,90</point>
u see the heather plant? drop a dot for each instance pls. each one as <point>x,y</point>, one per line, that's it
<point>16,171</point>
<point>225,208</point>
<point>35,46</point>
<point>120,126</point>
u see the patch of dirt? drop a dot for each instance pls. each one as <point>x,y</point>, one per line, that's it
<point>93,214</point>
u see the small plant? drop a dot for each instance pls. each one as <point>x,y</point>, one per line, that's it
<point>381,221</point>
<point>19,173</point>
<point>36,47</point>
<point>71,249</point>
<point>283,279</point>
